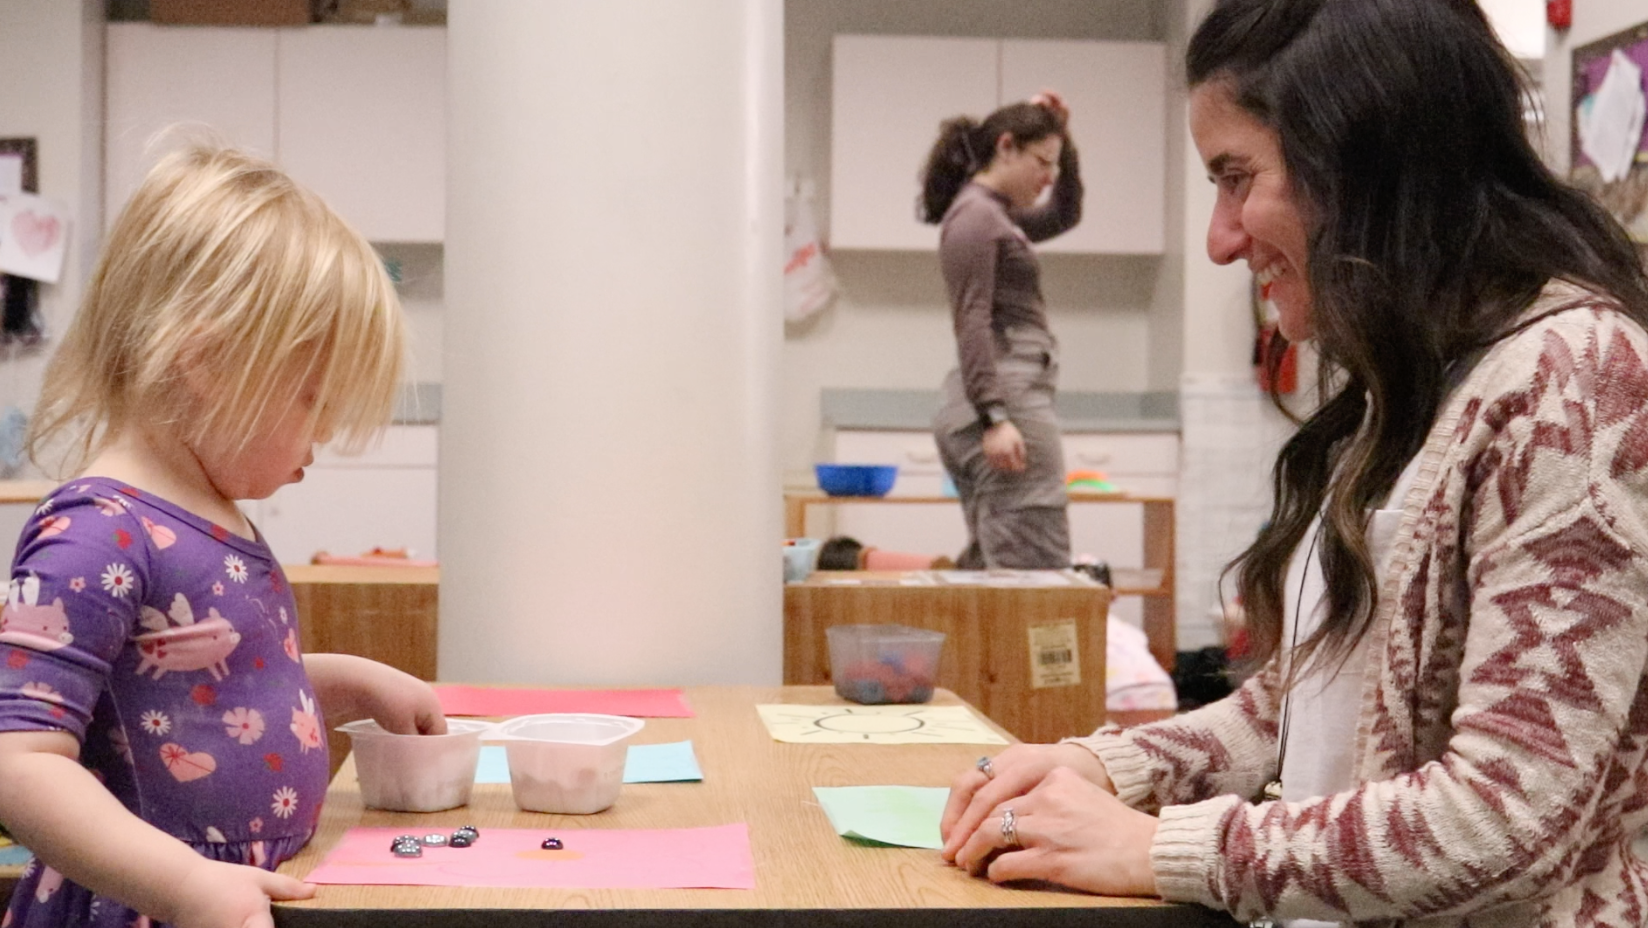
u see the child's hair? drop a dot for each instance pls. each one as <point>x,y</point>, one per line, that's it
<point>222,271</point>
<point>840,553</point>
<point>966,147</point>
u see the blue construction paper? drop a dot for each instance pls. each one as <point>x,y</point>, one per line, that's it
<point>14,856</point>
<point>646,763</point>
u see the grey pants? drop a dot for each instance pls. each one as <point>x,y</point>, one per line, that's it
<point>1013,520</point>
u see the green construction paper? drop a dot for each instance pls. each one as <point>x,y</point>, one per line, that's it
<point>906,816</point>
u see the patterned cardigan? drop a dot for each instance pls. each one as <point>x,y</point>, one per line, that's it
<point>1502,741</point>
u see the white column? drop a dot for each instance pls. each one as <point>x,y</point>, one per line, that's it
<point>609,507</point>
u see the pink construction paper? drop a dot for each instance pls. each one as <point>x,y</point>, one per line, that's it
<point>592,858</point>
<point>482,700</point>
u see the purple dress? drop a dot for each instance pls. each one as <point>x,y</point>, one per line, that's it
<point>169,647</point>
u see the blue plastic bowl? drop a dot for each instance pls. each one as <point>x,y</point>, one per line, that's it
<point>856,479</point>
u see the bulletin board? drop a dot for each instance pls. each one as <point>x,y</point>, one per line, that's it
<point>1627,197</point>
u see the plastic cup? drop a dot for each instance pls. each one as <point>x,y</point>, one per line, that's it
<point>416,773</point>
<point>874,664</point>
<point>566,763</point>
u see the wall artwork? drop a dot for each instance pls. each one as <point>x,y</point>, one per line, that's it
<point>1609,149</point>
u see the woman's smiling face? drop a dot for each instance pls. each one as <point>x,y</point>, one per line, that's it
<point>1257,217</point>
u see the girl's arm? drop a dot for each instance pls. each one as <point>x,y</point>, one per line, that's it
<point>350,687</point>
<point>1063,210</point>
<point>58,810</point>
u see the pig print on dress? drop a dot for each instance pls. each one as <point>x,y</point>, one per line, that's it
<point>192,646</point>
<point>24,622</point>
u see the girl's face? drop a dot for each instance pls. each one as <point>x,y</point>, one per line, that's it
<point>1257,217</point>
<point>274,457</point>
<point>1022,172</point>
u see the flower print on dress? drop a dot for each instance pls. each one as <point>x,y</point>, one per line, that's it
<point>290,644</point>
<point>110,507</point>
<point>285,802</point>
<point>185,765</point>
<point>217,588</point>
<point>77,584</point>
<point>255,826</point>
<point>53,527</point>
<point>41,691</point>
<point>43,508</point>
<point>244,725</point>
<point>117,580</point>
<point>155,722</point>
<point>235,568</point>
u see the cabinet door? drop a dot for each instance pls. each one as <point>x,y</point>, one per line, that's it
<point>890,94</point>
<point>217,78</point>
<point>362,121</point>
<point>385,497</point>
<point>1117,93</point>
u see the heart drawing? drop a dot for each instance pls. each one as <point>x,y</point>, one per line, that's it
<point>184,765</point>
<point>36,234</point>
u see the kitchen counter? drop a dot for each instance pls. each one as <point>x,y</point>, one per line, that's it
<point>1078,411</point>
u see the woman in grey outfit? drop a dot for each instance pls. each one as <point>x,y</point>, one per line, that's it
<point>996,432</point>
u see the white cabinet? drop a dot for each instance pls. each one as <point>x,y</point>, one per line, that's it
<point>193,78</point>
<point>892,92</point>
<point>385,497</point>
<point>1117,93</point>
<point>357,114</point>
<point>1139,463</point>
<point>889,95</point>
<point>362,116</point>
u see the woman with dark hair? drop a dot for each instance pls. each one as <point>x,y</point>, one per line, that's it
<point>996,431</point>
<point>1452,719</point>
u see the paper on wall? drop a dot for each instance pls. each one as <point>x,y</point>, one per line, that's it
<point>34,234</point>
<point>1610,129</point>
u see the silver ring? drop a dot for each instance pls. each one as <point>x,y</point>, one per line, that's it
<point>1009,827</point>
<point>985,767</point>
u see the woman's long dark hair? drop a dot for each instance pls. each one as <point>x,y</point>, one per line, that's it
<point>1433,225</point>
<point>966,146</point>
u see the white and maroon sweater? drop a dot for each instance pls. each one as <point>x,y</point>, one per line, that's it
<point>1502,743</point>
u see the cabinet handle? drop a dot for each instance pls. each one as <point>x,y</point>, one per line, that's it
<point>921,457</point>
<point>1087,457</point>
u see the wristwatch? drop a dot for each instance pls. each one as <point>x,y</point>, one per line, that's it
<point>993,414</point>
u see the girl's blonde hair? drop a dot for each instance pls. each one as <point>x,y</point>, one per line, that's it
<point>223,287</point>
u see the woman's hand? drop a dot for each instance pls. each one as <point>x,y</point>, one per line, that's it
<point>1004,447</point>
<point>1017,770</point>
<point>1050,101</point>
<point>1067,831</point>
<point>222,895</point>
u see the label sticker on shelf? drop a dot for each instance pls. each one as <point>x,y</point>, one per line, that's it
<point>1054,658</point>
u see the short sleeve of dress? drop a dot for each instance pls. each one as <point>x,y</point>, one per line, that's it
<point>73,603</point>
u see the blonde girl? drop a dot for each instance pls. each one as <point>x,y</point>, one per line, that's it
<point>162,737</point>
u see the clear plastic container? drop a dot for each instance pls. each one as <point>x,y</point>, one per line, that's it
<point>570,763</point>
<point>416,773</point>
<point>874,664</point>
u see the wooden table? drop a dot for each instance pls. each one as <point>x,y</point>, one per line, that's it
<point>806,875</point>
<point>994,641</point>
<point>1160,609</point>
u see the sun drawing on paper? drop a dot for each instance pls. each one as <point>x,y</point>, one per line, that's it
<point>877,724</point>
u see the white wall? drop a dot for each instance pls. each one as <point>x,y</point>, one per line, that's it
<point>1593,19</point>
<point>51,66</point>
<point>891,326</point>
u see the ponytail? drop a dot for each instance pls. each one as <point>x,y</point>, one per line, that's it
<point>952,161</point>
<point>966,146</point>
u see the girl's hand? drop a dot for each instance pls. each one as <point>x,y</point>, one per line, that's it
<point>220,895</point>
<point>401,703</point>
<point>1050,100</point>
<point>1004,447</point>
<point>1071,832</point>
<point>1018,770</point>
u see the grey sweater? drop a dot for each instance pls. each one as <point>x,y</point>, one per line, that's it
<point>992,274</point>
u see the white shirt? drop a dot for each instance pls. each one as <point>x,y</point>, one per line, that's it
<point>1322,709</point>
